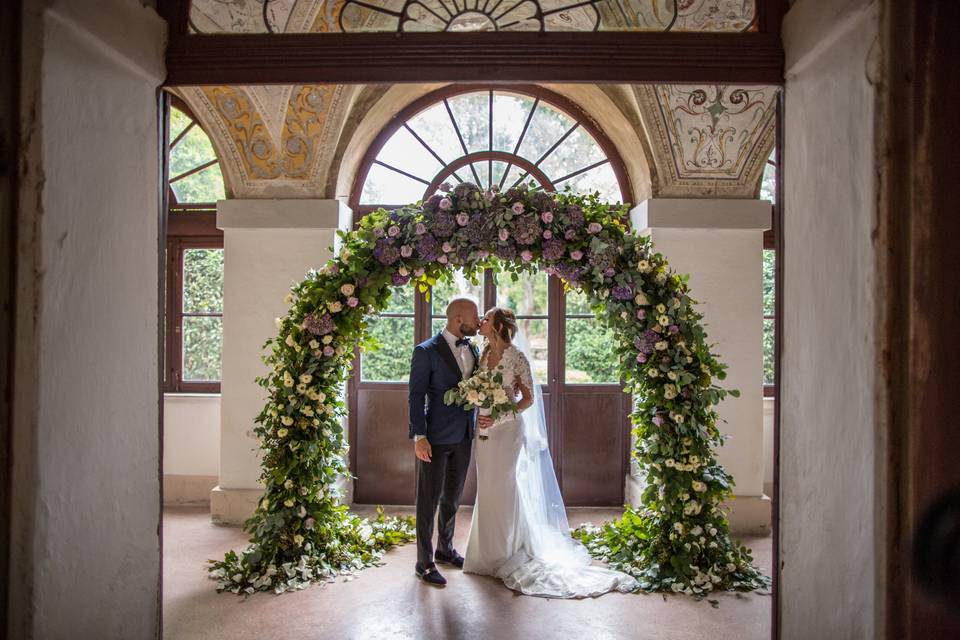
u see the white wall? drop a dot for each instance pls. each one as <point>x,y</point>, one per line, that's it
<point>191,434</point>
<point>829,324</point>
<point>86,527</point>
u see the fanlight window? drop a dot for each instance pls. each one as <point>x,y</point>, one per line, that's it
<point>195,175</point>
<point>495,139</point>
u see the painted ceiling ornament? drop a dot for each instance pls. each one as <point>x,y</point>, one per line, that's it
<point>319,16</point>
<point>709,140</point>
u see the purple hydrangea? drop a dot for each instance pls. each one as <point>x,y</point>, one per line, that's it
<point>385,252</point>
<point>476,232</point>
<point>443,224</point>
<point>432,204</point>
<point>400,280</point>
<point>603,260</point>
<point>645,343</point>
<point>541,201</point>
<point>622,293</point>
<point>575,216</point>
<point>553,249</point>
<point>319,326</point>
<point>527,229</point>
<point>427,247</point>
<point>505,252</point>
<point>568,271</point>
<point>465,189</point>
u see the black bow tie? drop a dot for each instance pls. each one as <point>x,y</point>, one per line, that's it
<point>464,342</point>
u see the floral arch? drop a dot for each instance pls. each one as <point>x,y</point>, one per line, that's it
<point>678,540</point>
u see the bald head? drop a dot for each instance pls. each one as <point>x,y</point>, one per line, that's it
<point>463,318</point>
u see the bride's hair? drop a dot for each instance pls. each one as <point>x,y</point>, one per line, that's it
<point>504,325</point>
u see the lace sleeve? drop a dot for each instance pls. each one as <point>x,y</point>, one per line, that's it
<point>521,370</point>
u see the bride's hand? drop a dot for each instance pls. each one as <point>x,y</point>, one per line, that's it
<point>484,422</point>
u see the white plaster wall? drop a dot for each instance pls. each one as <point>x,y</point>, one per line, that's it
<point>828,420</point>
<point>268,245</point>
<point>191,434</point>
<point>95,544</point>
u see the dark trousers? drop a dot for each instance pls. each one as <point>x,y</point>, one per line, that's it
<point>440,482</point>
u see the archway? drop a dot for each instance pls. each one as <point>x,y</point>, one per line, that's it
<point>678,540</point>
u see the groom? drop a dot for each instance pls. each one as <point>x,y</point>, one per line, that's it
<point>442,434</point>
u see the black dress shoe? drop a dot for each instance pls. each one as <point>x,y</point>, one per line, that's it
<point>453,558</point>
<point>430,575</point>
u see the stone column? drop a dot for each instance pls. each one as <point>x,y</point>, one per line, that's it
<point>268,245</point>
<point>719,243</point>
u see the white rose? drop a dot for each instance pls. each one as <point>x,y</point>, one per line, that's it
<point>314,344</point>
<point>340,351</point>
<point>669,462</point>
<point>473,397</point>
<point>641,299</point>
<point>644,267</point>
<point>661,308</point>
<point>288,298</point>
<point>347,289</point>
<point>661,345</point>
<point>278,322</point>
<point>288,484</point>
<point>286,421</point>
<point>335,306</point>
<point>306,378</point>
<point>731,566</point>
<point>287,379</point>
<point>289,340</point>
<point>327,339</point>
<point>663,320</point>
<point>672,375</point>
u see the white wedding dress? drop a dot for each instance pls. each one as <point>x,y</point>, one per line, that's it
<point>520,532</point>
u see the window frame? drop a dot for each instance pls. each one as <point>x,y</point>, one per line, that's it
<point>173,378</point>
<point>189,226</point>
<point>769,244</point>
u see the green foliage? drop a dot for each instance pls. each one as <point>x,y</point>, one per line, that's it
<point>591,352</point>
<point>202,293</point>
<point>193,150</point>
<point>769,262</point>
<point>678,540</point>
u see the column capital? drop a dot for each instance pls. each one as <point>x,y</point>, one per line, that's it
<point>287,213</point>
<point>702,213</point>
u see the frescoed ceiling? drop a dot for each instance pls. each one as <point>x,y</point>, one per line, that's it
<point>306,140</point>
<point>709,140</point>
<point>317,16</point>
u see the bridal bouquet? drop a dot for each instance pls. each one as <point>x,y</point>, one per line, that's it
<point>484,391</point>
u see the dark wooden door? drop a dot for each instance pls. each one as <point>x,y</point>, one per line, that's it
<point>587,414</point>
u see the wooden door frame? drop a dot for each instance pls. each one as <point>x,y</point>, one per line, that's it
<point>919,264</point>
<point>368,58</point>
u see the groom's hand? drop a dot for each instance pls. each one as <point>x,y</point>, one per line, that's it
<point>422,449</point>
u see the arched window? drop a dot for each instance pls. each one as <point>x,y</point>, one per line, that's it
<point>195,177</point>
<point>495,138</point>
<point>194,305</point>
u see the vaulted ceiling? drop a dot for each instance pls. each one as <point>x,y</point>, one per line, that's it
<point>308,140</point>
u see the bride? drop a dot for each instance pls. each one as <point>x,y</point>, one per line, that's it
<point>520,532</point>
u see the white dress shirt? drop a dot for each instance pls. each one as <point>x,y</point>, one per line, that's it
<point>464,357</point>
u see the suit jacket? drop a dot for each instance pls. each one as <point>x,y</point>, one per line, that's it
<point>434,370</point>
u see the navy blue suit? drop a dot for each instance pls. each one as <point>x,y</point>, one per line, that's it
<point>449,430</point>
<point>433,371</point>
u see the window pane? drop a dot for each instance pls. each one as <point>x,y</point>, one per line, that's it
<point>546,128</point>
<point>514,176</point>
<point>768,185</point>
<point>391,362</point>
<point>768,335</point>
<point>509,115</point>
<point>579,150</point>
<point>601,179</point>
<point>443,292</point>
<point>202,343</point>
<point>536,334</point>
<point>578,303</point>
<point>525,297</point>
<point>434,126</point>
<point>769,263</point>
<point>403,151</point>
<point>203,186</point>
<point>472,111</point>
<point>192,151</point>
<point>203,280</point>
<point>178,122</point>
<point>591,352</point>
<point>385,186</point>
<point>401,300</point>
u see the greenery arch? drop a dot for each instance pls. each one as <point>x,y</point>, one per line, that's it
<point>678,540</point>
